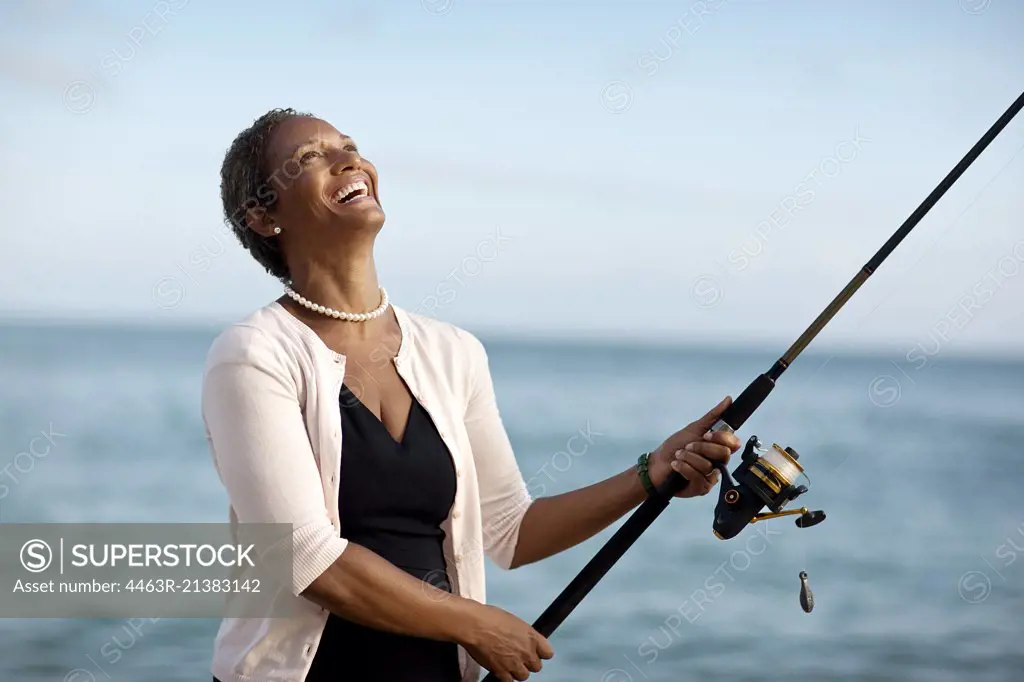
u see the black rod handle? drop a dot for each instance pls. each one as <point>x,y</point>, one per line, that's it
<point>734,417</point>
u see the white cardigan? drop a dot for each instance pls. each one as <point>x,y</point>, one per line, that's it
<point>271,409</point>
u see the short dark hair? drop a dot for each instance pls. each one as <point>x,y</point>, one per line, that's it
<point>244,185</point>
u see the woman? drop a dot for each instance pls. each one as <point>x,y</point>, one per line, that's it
<point>375,434</point>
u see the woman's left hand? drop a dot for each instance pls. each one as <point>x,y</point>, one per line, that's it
<point>692,454</point>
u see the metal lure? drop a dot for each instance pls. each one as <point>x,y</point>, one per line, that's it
<point>806,596</point>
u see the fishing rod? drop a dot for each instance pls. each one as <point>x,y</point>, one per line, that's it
<point>766,476</point>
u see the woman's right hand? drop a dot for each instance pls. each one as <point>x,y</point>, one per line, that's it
<point>503,644</point>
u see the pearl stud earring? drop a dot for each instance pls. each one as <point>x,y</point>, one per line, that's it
<point>277,229</point>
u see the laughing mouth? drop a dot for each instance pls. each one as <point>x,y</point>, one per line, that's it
<point>352,192</point>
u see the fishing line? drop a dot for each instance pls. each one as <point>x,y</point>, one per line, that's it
<point>947,229</point>
<point>806,594</point>
<point>765,478</point>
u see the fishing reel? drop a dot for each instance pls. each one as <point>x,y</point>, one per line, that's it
<point>767,477</point>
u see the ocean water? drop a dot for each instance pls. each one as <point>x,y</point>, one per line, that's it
<point>918,571</point>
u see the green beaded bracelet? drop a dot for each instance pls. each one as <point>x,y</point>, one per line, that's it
<point>645,477</point>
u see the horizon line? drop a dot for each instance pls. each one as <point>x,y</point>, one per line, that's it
<point>597,338</point>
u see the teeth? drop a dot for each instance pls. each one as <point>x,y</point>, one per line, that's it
<point>358,186</point>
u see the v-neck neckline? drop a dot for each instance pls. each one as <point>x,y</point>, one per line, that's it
<point>380,422</point>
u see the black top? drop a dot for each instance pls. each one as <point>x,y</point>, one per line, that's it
<point>392,498</point>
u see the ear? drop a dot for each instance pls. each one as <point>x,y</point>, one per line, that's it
<point>260,221</point>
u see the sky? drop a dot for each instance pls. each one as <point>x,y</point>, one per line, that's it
<point>692,172</point>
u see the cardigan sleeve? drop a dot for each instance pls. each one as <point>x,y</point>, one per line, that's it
<point>261,449</point>
<point>504,498</point>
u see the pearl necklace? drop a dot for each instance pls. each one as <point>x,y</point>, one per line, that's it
<point>340,314</point>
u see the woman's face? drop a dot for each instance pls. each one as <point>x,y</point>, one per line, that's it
<point>320,178</point>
